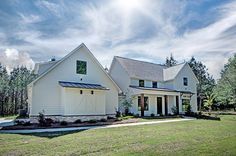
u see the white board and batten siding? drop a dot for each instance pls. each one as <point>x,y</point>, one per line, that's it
<point>49,96</point>
<point>186,71</point>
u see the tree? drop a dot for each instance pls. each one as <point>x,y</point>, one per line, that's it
<point>226,86</point>
<point>208,102</point>
<point>4,89</point>
<point>170,61</point>
<point>206,82</point>
<point>127,104</point>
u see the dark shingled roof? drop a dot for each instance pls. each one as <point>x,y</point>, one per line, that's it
<point>82,85</point>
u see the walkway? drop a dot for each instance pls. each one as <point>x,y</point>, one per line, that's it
<point>91,127</point>
<point>4,122</point>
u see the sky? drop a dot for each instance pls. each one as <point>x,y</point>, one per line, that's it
<point>34,31</point>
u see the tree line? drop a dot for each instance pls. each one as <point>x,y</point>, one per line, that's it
<point>13,89</point>
<point>13,85</point>
<point>221,94</point>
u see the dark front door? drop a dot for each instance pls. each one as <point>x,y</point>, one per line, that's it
<point>159,105</point>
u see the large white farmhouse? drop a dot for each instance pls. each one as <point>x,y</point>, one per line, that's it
<point>154,88</point>
<point>77,86</point>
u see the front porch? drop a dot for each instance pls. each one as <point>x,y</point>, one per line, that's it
<point>159,102</point>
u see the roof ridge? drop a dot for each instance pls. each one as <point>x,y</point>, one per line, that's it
<point>140,61</point>
<point>176,65</point>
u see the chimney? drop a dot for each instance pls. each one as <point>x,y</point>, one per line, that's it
<point>52,59</point>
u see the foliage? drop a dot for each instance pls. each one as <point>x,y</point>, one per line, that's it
<point>189,109</point>
<point>92,121</point>
<point>206,81</point>
<point>77,121</point>
<point>127,104</point>
<point>63,123</point>
<point>174,110</point>
<point>152,115</point>
<point>170,61</point>
<point>41,119</point>
<point>208,102</point>
<point>225,90</point>
<point>103,120</point>
<point>13,89</point>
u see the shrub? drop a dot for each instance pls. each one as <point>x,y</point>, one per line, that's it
<point>110,117</point>
<point>189,109</point>
<point>92,121</point>
<point>103,120</point>
<point>136,115</point>
<point>174,110</point>
<point>27,123</point>
<point>77,121</point>
<point>118,114</point>
<point>63,123</point>
<point>161,114</point>
<point>23,123</point>
<point>152,115</point>
<point>22,113</point>
<point>41,119</point>
<point>48,121</point>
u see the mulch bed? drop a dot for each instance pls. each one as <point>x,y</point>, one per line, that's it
<point>58,125</point>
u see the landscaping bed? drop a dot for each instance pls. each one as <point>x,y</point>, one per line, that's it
<point>103,122</point>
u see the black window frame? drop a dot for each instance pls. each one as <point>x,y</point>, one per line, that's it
<point>146,103</point>
<point>141,82</point>
<point>78,69</point>
<point>154,84</point>
<point>185,81</point>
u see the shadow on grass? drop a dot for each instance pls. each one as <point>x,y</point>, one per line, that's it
<point>51,135</point>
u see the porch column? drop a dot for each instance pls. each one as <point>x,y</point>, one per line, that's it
<point>142,104</point>
<point>177,104</point>
<point>166,105</point>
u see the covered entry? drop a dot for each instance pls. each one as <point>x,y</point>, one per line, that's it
<point>82,99</point>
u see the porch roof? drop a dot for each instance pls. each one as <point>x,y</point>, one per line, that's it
<point>155,89</point>
<point>82,85</point>
<point>161,89</point>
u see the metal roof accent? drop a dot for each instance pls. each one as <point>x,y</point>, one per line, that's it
<point>155,89</point>
<point>82,85</point>
<point>161,89</point>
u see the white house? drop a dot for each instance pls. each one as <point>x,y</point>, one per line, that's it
<point>77,86</point>
<point>154,88</point>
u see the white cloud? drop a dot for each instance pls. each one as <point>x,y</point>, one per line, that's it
<point>12,58</point>
<point>28,19</point>
<point>108,29</point>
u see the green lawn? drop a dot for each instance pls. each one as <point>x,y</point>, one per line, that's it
<point>198,137</point>
<point>8,117</point>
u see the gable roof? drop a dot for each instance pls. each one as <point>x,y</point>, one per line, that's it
<point>141,69</point>
<point>147,70</point>
<point>40,68</point>
<point>171,72</point>
<point>67,56</point>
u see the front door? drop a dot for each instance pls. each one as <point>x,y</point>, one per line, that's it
<point>159,105</point>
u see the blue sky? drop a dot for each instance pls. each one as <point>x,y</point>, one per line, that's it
<point>34,31</point>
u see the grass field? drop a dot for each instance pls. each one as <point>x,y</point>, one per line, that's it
<point>198,137</point>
